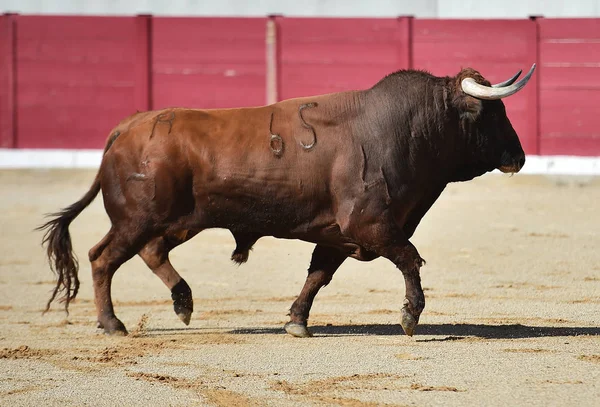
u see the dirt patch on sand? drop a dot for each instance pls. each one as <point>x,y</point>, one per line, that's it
<point>590,358</point>
<point>420,387</point>
<point>527,350</point>
<point>25,352</point>
<point>159,378</point>
<point>214,395</point>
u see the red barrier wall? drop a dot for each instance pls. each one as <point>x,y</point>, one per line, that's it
<point>208,62</point>
<point>76,78</point>
<point>66,81</point>
<point>496,48</point>
<point>570,87</point>
<point>325,55</point>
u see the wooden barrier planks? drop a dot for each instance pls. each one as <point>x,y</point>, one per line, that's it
<point>570,86</point>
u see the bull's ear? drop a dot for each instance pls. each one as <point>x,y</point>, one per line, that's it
<point>468,107</point>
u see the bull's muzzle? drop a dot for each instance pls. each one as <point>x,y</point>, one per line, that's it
<point>514,166</point>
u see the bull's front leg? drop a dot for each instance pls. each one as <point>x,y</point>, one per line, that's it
<point>395,247</point>
<point>407,259</point>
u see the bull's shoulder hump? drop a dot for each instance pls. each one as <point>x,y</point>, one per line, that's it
<point>325,99</point>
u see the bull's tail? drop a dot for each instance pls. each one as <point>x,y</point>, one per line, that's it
<point>59,248</point>
<point>57,239</point>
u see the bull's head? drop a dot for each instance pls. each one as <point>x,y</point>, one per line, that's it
<point>484,119</point>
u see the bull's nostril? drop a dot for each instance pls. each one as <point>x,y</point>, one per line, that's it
<point>521,162</point>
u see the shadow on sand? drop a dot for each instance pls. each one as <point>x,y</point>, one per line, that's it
<point>448,331</point>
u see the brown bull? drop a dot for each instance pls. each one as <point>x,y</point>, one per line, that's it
<point>352,172</point>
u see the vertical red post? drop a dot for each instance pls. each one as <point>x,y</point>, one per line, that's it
<point>405,42</point>
<point>143,63</point>
<point>8,131</point>
<point>272,61</point>
<point>534,52</point>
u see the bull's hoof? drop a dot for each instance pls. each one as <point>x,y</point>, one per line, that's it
<point>183,304</point>
<point>297,330</point>
<point>408,322</point>
<point>185,314</point>
<point>114,328</point>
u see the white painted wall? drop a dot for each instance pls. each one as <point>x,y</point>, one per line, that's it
<point>27,158</point>
<point>335,8</point>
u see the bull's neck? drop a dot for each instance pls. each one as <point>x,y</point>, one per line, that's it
<point>469,159</point>
<point>426,127</point>
<point>417,118</point>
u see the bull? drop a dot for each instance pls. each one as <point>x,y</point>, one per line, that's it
<point>352,172</point>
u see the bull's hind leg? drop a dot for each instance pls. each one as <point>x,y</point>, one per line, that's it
<point>324,263</point>
<point>106,257</point>
<point>156,255</point>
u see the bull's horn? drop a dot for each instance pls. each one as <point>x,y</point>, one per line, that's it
<point>470,87</point>
<point>508,81</point>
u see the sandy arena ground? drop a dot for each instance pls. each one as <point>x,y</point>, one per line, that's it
<point>512,318</point>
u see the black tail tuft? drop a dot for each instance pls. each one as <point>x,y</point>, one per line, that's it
<point>59,249</point>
